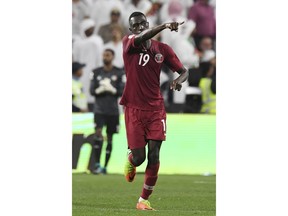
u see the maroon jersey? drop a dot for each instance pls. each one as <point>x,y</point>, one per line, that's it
<point>143,68</point>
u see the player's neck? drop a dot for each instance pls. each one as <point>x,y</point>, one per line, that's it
<point>108,67</point>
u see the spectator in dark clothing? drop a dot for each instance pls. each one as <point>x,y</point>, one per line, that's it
<point>203,15</point>
<point>105,31</point>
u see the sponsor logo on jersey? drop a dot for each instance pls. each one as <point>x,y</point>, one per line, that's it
<point>159,58</point>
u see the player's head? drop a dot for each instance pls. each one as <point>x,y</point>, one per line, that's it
<point>108,56</point>
<point>138,22</point>
<point>77,69</point>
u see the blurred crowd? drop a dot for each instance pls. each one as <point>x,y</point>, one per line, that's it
<point>101,24</point>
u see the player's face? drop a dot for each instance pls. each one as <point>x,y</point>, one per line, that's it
<point>138,24</point>
<point>107,57</point>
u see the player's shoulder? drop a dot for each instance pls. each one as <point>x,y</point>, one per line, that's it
<point>115,68</point>
<point>127,38</point>
<point>161,45</point>
<point>118,70</point>
<point>130,36</point>
<point>97,70</point>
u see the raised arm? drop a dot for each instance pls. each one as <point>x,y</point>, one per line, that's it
<point>150,33</point>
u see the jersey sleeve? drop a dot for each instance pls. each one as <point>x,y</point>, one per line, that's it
<point>171,59</point>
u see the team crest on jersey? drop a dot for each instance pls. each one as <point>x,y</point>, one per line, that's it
<point>159,58</point>
<point>114,78</point>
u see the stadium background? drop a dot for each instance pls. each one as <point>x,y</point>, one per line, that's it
<point>190,147</point>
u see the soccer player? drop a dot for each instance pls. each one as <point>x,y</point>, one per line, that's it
<point>106,85</point>
<point>145,116</point>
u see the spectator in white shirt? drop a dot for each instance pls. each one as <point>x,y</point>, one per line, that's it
<point>116,45</point>
<point>88,50</point>
<point>101,10</point>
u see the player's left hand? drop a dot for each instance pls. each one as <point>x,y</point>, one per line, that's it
<point>175,85</point>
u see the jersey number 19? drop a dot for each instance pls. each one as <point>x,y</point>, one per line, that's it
<point>145,59</point>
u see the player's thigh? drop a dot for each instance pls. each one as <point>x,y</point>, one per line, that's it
<point>156,128</point>
<point>134,129</point>
<point>112,123</point>
<point>99,120</point>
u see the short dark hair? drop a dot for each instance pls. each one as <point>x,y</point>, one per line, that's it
<point>136,13</point>
<point>77,66</point>
<point>110,50</point>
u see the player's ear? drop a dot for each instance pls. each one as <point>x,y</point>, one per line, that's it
<point>130,29</point>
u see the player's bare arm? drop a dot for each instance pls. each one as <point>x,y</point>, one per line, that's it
<point>150,33</point>
<point>140,28</point>
<point>177,83</point>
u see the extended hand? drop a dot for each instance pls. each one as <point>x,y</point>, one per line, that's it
<point>173,25</point>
